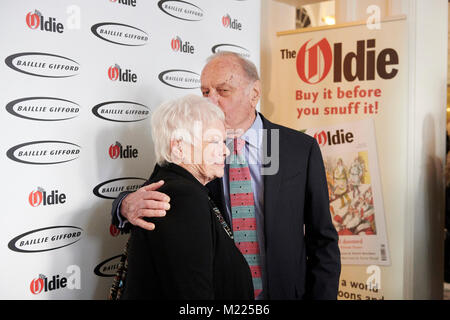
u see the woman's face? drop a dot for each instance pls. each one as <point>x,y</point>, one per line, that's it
<point>205,158</point>
<point>214,151</point>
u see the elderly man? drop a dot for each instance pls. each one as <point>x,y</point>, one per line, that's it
<point>277,205</point>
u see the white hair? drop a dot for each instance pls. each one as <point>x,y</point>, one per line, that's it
<point>176,119</point>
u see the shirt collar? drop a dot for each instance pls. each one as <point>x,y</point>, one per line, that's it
<point>253,135</point>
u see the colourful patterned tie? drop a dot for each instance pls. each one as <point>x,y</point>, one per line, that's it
<point>243,212</point>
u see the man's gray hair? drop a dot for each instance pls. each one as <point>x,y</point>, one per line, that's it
<point>248,67</point>
<point>177,119</point>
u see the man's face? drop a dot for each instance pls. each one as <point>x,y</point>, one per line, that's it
<point>223,81</point>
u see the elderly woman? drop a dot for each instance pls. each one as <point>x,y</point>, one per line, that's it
<point>191,253</point>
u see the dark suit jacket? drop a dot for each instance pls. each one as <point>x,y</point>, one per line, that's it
<point>302,253</point>
<point>188,255</point>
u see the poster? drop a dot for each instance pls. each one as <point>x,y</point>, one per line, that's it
<point>350,82</point>
<point>356,202</point>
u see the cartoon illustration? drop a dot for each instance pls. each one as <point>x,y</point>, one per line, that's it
<point>356,173</point>
<point>340,180</point>
<point>351,199</point>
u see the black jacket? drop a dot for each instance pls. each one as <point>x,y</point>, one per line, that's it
<point>189,254</point>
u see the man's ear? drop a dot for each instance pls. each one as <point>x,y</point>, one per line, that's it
<point>255,93</point>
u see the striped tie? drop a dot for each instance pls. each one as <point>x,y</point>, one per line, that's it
<point>243,212</point>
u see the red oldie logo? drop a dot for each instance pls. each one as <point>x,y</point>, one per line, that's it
<point>33,19</point>
<point>338,137</point>
<point>37,285</point>
<point>113,230</point>
<point>314,63</point>
<point>179,46</point>
<point>321,138</point>
<point>116,73</point>
<point>114,150</point>
<point>40,196</point>
<point>113,72</point>
<point>118,151</point>
<point>176,44</point>
<point>35,197</point>
<point>56,282</point>
<point>125,2</point>
<point>231,23</point>
<point>226,20</point>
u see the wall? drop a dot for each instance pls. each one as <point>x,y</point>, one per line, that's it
<point>275,16</point>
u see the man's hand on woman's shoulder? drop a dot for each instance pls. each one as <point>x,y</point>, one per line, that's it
<point>145,202</point>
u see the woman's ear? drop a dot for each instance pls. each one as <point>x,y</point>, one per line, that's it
<point>176,150</point>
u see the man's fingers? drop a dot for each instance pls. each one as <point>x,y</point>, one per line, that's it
<point>140,222</point>
<point>155,205</point>
<point>153,186</point>
<point>151,213</point>
<point>144,224</point>
<point>155,195</point>
<point>145,202</point>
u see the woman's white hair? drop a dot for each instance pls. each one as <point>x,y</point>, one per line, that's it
<point>177,119</point>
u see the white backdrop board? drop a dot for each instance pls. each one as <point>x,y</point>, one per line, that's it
<point>79,81</point>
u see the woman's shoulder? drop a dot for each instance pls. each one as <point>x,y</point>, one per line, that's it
<point>178,182</point>
<point>182,188</point>
<point>189,205</point>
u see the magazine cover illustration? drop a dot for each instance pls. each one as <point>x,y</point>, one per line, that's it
<point>354,188</point>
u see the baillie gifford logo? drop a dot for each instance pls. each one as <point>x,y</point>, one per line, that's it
<point>108,267</point>
<point>121,111</point>
<point>117,151</point>
<point>221,47</point>
<point>182,10</point>
<point>43,109</point>
<point>230,23</point>
<point>46,239</point>
<point>110,189</point>
<point>119,33</point>
<point>47,152</point>
<point>36,21</point>
<point>179,78</point>
<point>115,73</point>
<point>43,64</point>
<point>178,45</point>
<point>40,196</point>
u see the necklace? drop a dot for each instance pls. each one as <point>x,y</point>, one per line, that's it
<point>221,219</point>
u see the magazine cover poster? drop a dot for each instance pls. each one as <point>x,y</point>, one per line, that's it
<point>354,188</point>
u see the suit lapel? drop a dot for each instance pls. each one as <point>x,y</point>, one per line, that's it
<point>272,181</point>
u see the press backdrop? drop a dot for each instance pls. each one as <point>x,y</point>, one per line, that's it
<point>79,81</point>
